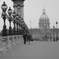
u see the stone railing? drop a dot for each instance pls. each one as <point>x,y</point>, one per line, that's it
<point>9,42</point>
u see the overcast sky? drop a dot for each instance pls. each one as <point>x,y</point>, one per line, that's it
<point>33,10</point>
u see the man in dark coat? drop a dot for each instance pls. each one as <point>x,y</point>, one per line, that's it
<point>24,37</point>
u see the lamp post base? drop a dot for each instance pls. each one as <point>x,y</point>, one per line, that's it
<point>10,32</point>
<point>4,32</point>
<point>14,33</point>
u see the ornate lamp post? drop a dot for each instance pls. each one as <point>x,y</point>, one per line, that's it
<point>56,24</point>
<point>14,16</point>
<point>4,8</point>
<point>10,19</point>
<point>56,31</point>
<point>21,22</point>
<point>17,18</point>
<point>25,28</point>
<point>20,26</point>
<point>53,33</point>
<point>31,27</point>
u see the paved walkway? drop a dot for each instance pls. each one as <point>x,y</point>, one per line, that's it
<point>36,50</point>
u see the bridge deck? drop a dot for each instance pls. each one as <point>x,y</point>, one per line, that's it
<point>36,50</point>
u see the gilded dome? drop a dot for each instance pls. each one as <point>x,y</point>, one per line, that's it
<point>44,16</point>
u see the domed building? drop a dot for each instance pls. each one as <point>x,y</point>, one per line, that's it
<point>44,32</point>
<point>44,21</point>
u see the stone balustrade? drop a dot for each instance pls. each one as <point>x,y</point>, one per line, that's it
<point>8,42</point>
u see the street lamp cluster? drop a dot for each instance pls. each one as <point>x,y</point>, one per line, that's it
<point>15,18</point>
<point>11,36</point>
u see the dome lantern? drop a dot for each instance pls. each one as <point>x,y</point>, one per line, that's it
<point>44,15</point>
<point>44,11</point>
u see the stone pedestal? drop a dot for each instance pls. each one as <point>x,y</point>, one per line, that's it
<point>19,7</point>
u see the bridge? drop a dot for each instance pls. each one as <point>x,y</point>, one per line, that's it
<point>13,36</point>
<point>12,43</point>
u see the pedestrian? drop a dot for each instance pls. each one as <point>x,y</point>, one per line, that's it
<point>24,37</point>
<point>28,38</point>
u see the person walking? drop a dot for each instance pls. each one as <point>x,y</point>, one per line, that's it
<point>24,37</point>
<point>28,38</point>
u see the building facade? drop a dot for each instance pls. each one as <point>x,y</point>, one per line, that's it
<point>45,33</point>
<point>51,35</point>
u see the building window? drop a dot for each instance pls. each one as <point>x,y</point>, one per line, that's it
<point>40,25</point>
